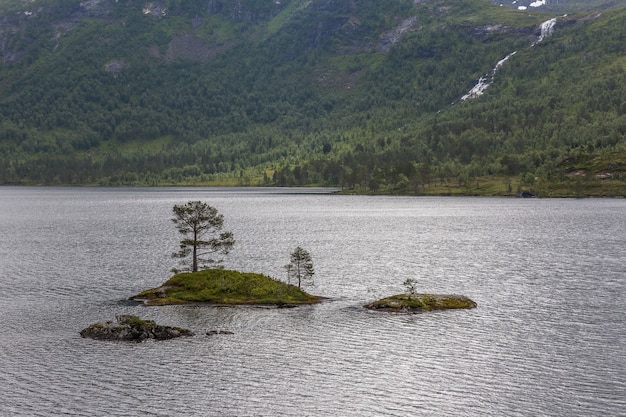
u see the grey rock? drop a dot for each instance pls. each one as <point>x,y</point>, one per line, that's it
<point>131,328</point>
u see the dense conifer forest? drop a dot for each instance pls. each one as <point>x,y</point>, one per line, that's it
<point>365,95</point>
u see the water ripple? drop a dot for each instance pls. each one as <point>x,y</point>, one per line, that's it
<point>548,337</point>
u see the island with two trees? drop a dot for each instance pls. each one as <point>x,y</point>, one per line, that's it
<point>201,226</point>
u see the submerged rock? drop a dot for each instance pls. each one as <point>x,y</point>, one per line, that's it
<point>132,328</point>
<point>214,332</point>
<point>421,302</point>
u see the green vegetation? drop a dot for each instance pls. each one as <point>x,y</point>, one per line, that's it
<point>362,95</point>
<point>218,286</point>
<point>421,302</point>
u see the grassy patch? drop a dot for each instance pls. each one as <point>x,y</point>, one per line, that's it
<point>219,286</point>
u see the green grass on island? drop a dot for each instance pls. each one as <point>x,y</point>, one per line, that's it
<point>219,286</point>
<point>421,302</point>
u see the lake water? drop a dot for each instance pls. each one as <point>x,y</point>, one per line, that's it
<point>548,336</point>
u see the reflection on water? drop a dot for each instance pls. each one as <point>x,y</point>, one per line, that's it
<point>547,338</point>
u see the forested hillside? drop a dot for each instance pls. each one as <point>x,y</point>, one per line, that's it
<point>365,95</point>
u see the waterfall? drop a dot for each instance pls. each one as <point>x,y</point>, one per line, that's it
<point>485,81</point>
<point>547,28</point>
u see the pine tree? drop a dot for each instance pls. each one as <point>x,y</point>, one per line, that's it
<point>301,266</point>
<point>201,224</point>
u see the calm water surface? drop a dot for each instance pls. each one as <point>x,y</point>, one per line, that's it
<point>548,337</point>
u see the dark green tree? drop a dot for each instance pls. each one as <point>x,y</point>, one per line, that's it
<point>300,267</point>
<point>201,226</point>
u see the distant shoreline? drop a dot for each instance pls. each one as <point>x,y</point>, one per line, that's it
<point>615,189</point>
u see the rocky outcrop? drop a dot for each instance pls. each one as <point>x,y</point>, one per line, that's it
<point>421,302</point>
<point>131,328</point>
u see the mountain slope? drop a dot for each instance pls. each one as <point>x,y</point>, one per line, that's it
<point>359,94</point>
<point>563,6</point>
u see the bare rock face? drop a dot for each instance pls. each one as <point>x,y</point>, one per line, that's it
<point>116,66</point>
<point>391,38</point>
<point>132,328</point>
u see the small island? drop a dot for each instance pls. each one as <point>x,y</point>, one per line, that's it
<point>132,328</point>
<point>205,283</point>
<point>225,287</point>
<point>413,303</point>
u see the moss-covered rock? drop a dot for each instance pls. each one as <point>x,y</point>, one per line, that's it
<point>220,286</point>
<point>132,328</point>
<point>421,302</point>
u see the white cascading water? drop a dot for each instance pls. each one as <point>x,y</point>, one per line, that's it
<point>547,28</point>
<point>484,82</point>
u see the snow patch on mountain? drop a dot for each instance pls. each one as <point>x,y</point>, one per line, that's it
<point>534,4</point>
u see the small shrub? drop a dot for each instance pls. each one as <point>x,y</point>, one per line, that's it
<point>410,284</point>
